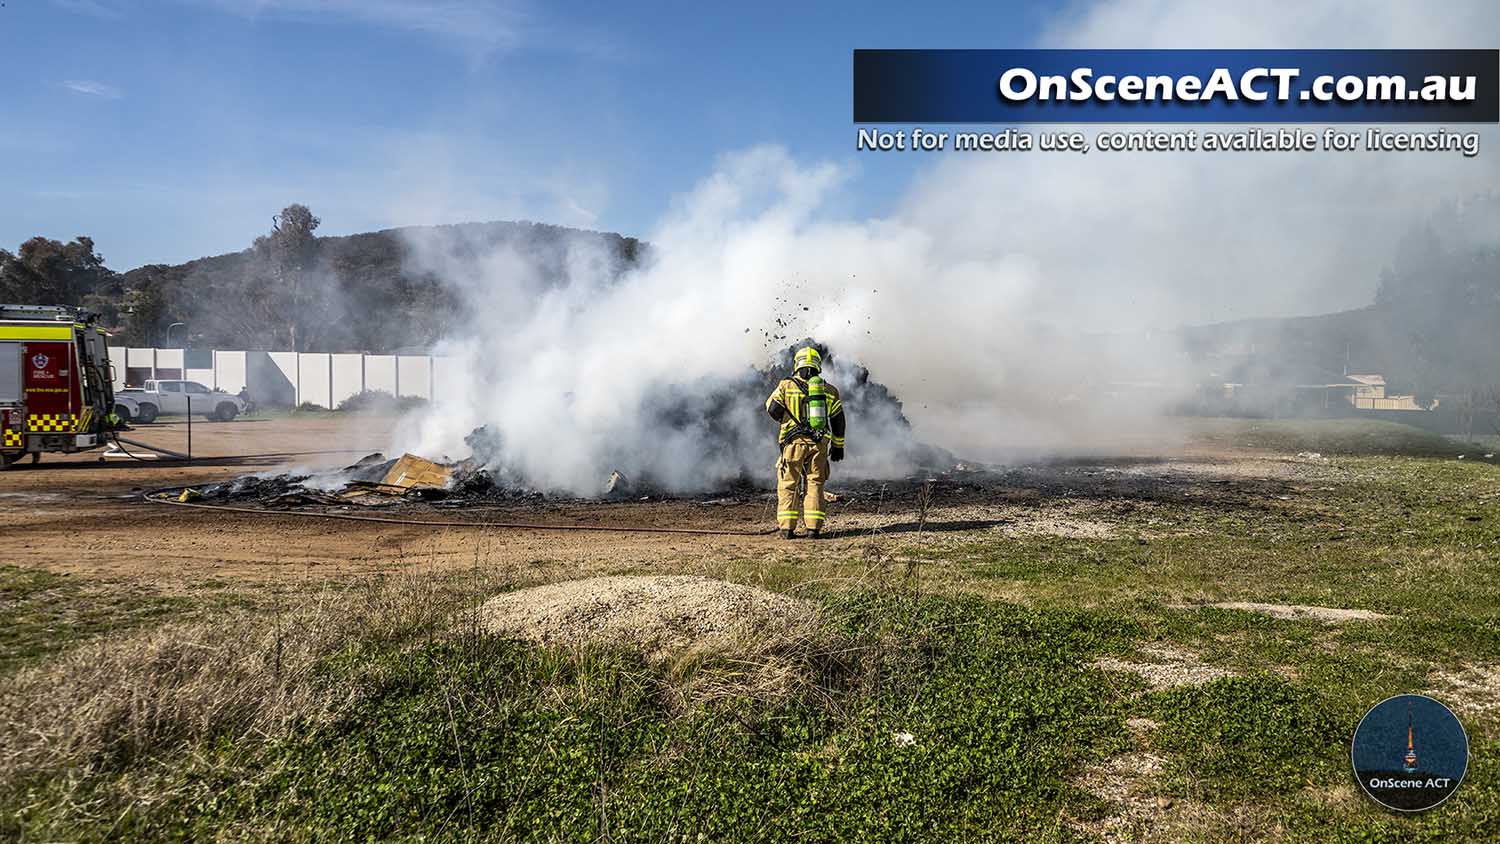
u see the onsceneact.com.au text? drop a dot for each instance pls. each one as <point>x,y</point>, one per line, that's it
<point>1256,84</point>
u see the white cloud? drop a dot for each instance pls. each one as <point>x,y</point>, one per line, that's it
<point>93,88</point>
<point>478,25</point>
<point>95,8</point>
<point>575,214</point>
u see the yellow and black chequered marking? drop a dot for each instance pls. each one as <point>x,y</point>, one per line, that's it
<point>57,423</point>
<point>13,439</point>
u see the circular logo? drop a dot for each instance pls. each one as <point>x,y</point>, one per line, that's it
<point>39,360</point>
<point>1409,753</point>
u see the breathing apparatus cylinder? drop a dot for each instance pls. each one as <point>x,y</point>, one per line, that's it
<point>817,404</point>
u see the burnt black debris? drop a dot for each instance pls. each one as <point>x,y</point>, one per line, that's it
<point>272,491</point>
<point>473,483</point>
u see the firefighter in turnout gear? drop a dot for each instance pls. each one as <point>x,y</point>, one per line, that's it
<point>812,434</point>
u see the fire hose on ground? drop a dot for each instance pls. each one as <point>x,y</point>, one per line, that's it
<point>155,497</point>
<point>119,442</point>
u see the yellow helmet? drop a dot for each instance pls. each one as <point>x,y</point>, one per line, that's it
<point>807,358</point>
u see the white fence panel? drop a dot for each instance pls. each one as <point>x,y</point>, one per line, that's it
<point>229,371</point>
<point>348,377</point>
<point>117,356</point>
<point>314,379</point>
<point>380,373</point>
<point>285,365</point>
<point>414,375</point>
<point>169,359</point>
<point>447,378</point>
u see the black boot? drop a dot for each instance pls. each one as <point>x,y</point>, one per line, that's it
<point>815,533</point>
<point>789,533</point>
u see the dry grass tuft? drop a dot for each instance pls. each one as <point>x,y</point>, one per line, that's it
<point>111,704</point>
<point>791,663</point>
<point>107,705</point>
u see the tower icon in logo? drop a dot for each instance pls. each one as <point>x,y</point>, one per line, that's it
<point>1409,762</point>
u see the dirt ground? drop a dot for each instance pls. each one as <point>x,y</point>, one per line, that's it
<point>81,514</point>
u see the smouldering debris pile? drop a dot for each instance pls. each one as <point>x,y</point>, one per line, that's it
<point>726,419</point>
<point>713,418</point>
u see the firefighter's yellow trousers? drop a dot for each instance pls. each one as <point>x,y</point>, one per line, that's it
<point>801,459</point>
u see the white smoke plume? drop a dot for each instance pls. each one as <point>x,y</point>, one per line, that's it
<point>578,376</point>
<point>1013,300</point>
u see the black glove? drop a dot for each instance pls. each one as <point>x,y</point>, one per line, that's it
<point>836,453</point>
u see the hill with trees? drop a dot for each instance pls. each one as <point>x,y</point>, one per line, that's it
<point>292,289</point>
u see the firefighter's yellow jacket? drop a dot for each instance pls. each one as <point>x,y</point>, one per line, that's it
<point>788,405</point>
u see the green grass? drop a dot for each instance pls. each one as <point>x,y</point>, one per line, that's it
<point>42,613</point>
<point>465,737</point>
<point>1246,738</point>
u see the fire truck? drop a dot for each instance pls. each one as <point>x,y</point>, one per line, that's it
<point>55,386</point>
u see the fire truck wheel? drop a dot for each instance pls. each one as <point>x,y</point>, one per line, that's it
<point>123,412</point>
<point>146,413</point>
<point>9,458</point>
<point>225,412</point>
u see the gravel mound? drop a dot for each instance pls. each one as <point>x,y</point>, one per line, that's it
<point>658,615</point>
<point>1295,612</point>
<point>1169,667</point>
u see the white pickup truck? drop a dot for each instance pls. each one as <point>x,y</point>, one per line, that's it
<point>157,398</point>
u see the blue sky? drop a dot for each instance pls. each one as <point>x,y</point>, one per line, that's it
<point>173,129</point>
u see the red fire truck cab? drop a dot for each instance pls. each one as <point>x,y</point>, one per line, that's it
<point>55,384</point>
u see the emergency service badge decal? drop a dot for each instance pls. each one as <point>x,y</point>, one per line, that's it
<point>39,361</point>
<point>1410,753</point>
